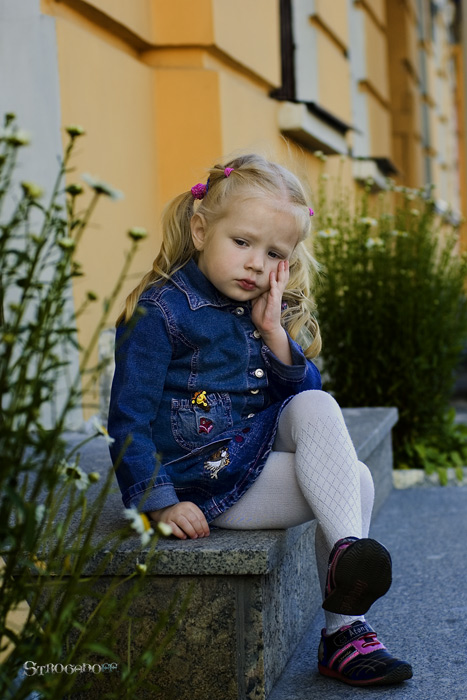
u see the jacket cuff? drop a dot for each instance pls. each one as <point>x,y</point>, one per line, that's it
<point>295,372</point>
<point>158,497</point>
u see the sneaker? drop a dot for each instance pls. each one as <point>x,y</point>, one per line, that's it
<point>359,572</point>
<point>354,655</point>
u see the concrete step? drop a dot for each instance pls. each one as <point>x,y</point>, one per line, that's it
<point>253,593</point>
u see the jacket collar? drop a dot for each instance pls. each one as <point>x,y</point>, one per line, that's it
<point>198,289</point>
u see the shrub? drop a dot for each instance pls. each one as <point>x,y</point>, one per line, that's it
<point>393,315</point>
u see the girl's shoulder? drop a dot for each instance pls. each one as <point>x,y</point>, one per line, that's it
<point>157,291</point>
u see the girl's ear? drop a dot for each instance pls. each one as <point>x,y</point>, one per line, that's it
<point>198,231</point>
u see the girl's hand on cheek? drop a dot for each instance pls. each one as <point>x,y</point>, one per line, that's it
<point>185,519</point>
<point>266,309</point>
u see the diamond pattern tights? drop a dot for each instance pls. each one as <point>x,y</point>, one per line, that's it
<point>312,473</point>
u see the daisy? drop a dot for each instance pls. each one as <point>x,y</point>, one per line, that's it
<point>139,522</point>
<point>102,430</point>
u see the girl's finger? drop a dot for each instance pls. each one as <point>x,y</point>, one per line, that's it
<point>283,269</point>
<point>199,522</point>
<point>178,532</point>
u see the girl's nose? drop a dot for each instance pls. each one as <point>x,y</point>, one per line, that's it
<point>256,262</point>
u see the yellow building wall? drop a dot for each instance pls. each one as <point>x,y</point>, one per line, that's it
<point>187,127</point>
<point>333,16</point>
<point>377,9</point>
<point>376,59</point>
<point>240,31</point>
<point>166,88</point>
<point>333,78</point>
<point>111,94</point>
<point>136,17</point>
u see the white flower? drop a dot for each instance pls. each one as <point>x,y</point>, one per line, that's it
<point>75,474</point>
<point>31,190</point>
<point>164,529</point>
<point>401,234</point>
<point>40,513</point>
<point>20,137</point>
<point>139,522</point>
<point>415,212</point>
<point>102,430</point>
<point>101,187</point>
<point>327,233</point>
<point>75,130</point>
<point>141,568</point>
<point>368,221</point>
<point>67,243</point>
<point>374,242</point>
<point>137,233</point>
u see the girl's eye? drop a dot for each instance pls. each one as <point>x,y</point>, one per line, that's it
<point>274,255</point>
<point>240,242</point>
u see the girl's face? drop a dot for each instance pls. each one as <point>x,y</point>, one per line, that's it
<point>244,246</point>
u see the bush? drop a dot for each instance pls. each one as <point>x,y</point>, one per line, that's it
<point>393,315</point>
<point>49,507</point>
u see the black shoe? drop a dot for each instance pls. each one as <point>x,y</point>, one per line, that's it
<point>359,572</point>
<point>354,655</point>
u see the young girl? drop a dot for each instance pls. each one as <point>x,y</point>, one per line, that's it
<point>222,408</point>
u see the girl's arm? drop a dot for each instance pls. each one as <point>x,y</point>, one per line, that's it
<point>284,358</point>
<point>143,353</point>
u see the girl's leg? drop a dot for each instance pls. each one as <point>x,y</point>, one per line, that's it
<point>335,621</point>
<point>312,426</point>
<point>341,496</point>
<point>314,472</point>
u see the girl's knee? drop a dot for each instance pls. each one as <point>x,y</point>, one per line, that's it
<point>317,401</point>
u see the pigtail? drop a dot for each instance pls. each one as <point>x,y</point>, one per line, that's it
<point>176,250</point>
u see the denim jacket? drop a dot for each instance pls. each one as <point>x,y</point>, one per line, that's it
<point>210,446</point>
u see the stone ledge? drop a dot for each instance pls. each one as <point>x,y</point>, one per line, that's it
<point>236,552</point>
<point>254,592</point>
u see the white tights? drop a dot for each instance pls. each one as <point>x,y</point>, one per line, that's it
<point>312,473</point>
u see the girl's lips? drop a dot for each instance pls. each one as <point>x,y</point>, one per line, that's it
<point>247,284</point>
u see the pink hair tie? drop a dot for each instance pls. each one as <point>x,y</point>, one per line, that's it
<point>227,171</point>
<point>198,191</point>
<point>312,213</point>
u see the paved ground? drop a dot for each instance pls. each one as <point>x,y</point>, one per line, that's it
<point>423,618</point>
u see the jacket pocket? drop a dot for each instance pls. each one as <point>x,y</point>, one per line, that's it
<point>194,426</point>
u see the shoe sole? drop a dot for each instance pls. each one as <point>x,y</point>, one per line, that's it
<point>401,673</point>
<point>363,574</point>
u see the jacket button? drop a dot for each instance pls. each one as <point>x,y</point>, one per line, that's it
<point>259,373</point>
<point>256,334</point>
<point>254,391</point>
<point>239,311</point>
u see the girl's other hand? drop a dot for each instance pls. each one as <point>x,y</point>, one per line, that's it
<point>185,519</point>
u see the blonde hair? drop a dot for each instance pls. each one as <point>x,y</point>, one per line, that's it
<point>252,176</point>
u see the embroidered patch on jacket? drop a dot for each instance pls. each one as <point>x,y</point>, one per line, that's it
<point>205,426</point>
<point>199,398</point>
<point>217,461</point>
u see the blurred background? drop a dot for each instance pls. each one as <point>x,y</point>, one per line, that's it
<point>165,88</point>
